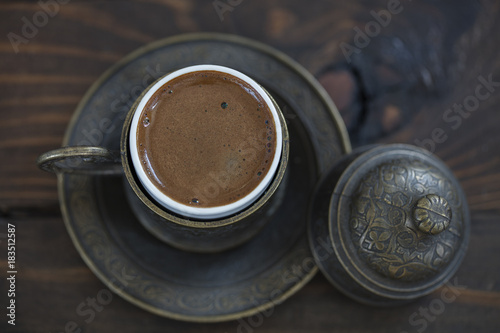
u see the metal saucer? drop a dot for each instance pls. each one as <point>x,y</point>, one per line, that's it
<point>191,286</point>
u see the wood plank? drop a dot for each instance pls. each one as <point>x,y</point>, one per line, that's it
<point>397,88</point>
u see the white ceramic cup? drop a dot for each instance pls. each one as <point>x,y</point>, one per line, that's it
<point>209,213</point>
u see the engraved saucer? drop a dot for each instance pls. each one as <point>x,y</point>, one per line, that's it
<point>192,286</point>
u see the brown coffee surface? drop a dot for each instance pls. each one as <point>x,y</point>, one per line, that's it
<point>206,139</point>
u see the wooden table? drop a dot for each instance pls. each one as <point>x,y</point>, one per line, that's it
<point>403,81</point>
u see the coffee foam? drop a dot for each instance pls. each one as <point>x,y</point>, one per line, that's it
<point>206,139</point>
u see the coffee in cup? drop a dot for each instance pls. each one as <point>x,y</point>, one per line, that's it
<point>204,142</point>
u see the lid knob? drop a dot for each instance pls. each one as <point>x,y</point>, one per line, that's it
<point>432,214</point>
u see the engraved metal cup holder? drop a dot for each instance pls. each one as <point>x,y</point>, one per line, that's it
<point>389,224</point>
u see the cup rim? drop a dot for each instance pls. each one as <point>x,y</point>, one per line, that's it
<point>203,213</point>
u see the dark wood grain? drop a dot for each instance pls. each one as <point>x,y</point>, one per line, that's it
<point>397,89</point>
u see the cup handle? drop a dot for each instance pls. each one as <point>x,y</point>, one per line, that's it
<point>81,160</point>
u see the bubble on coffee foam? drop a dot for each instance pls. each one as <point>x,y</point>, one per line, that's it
<point>223,105</point>
<point>154,104</point>
<point>146,121</point>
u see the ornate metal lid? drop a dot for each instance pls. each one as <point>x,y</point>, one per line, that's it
<point>398,222</point>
